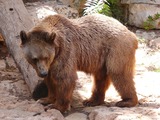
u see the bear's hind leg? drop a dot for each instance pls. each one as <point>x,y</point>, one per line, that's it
<point>101,84</point>
<point>124,84</point>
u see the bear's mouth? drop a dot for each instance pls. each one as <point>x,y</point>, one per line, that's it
<point>43,74</point>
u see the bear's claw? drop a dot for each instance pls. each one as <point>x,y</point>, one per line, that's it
<point>127,103</point>
<point>92,102</point>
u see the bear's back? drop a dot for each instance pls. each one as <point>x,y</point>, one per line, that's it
<point>101,22</point>
<point>103,29</point>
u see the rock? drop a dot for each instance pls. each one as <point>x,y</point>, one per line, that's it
<point>114,113</point>
<point>140,1</point>
<point>36,107</point>
<point>140,10</point>
<point>2,65</point>
<point>44,11</point>
<point>15,87</point>
<point>155,43</point>
<point>76,116</point>
<point>10,63</point>
<point>77,4</point>
<point>51,114</point>
<point>138,14</point>
<point>66,2</point>
<point>146,35</point>
<point>39,10</point>
<point>66,11</point>
<point>15,114</point>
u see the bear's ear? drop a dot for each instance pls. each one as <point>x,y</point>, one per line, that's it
<point>51,37</point>
<point>23,37</point>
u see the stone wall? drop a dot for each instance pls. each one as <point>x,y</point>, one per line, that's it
<point>139,10</point>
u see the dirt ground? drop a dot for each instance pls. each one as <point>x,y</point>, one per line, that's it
<point>16,102</point>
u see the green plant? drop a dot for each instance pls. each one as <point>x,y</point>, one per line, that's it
<point>116,9</point>
<point>106,7</point>
<point>157,70</point>
<point>96,6</point>
<point>150,22</point>
<point>141,40</point>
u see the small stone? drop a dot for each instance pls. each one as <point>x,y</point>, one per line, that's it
<point>76,116</point>
<point>2,65</point>
<point>36,108</point>
<point>155,43</point>
<point>10,63</point>
<point>52,114</point>
<point>66,11</point>
<point>146,35</point>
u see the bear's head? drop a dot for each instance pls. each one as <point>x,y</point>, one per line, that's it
<point>39,50</point>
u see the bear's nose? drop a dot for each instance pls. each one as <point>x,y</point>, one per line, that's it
<point>43,74</point>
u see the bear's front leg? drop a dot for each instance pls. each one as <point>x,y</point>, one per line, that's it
<point>51,97</point>
<point>47,100</point>
<point>40,91</point>
<point>64,91</point>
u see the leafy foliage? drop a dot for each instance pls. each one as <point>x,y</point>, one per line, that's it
<point>116,9</point>
<point>157,70</point>
<point>96,6</point>
<point>106,7</point>
<point>150,22</point>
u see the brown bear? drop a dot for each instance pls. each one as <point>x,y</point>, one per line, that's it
<point>58,47</point>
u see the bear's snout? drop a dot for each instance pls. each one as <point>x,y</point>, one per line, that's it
<point>41,68</point>
<point>43,74</point>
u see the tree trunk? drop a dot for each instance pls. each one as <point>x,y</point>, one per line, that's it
<point>14,18</point>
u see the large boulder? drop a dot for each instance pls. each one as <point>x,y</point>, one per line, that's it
<point>140,10</point>
<point>140,1</point>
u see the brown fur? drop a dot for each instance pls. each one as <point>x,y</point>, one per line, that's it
<point>99,45</point>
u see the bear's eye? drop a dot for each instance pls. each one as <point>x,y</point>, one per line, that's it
<point>35,60</point>
<point>45,58</point>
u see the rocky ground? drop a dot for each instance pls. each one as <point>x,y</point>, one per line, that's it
<point>16,102</point>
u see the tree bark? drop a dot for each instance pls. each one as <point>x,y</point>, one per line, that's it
<point>14,18</point>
